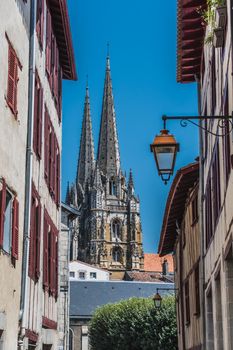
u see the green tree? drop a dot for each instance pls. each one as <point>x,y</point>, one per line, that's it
<point>134,324</point>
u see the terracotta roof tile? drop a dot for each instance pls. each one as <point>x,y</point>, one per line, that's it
<point>153,262</point>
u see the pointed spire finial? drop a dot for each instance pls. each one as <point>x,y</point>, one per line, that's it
<point>131,184</point>
<point>87,87</point>
<point>108,57</point>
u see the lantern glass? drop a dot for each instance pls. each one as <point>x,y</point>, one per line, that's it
<point>157,300</point>
<point>165,149</point>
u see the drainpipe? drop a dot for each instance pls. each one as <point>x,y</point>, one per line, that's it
<point>201,219</point>
<point>28,175</point>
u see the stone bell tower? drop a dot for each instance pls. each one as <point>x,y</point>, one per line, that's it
<point>110,234</point>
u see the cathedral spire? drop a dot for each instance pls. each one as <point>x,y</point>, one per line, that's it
<point>130,183</point>
<point>108,147</point>
<point>86,151</point>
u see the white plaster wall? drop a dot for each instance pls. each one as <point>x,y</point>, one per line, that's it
<point>13,133</point>
<point>77,266</point>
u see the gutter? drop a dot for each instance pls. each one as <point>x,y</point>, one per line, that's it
<point>28,175</point>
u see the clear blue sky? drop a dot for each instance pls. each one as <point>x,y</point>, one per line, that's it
<point>142,36</point>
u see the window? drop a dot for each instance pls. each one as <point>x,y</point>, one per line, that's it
<point>40,21</point>
<point>53,68</point>
<point>116,230</point>
<point>38,106</point>
<point>52,159</point>
<point>13,67</point>
<point>50,258</point>
<point>112,188</point>
<point>35,236</point>
<point>216,186</point>
<point>195,209</point>
<point>213,82</point>
<point>72,274</point>
<point>208,211</point>
<point>93,275</point>
<point>116,254</point>
<point>197,290</point>
<point>187,304</point>
<point>9,221</point>
<point>81,275</point>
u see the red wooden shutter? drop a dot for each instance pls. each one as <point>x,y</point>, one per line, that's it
<point>56,264</point>
<point>48,43</point>
<point>12,80</point>
<point>2,210</point>
<point>51,274</point>
<point>40,21</point>
<point>58,182</point>
<point>31,263</point>
<point>37,240</point>
<point>15,229</point>
<point>51,161</point>
<point>40,116</point>
<point>47,146</point>
<point>59,93</point>
<point>45,253</point>
<point>36,103</point>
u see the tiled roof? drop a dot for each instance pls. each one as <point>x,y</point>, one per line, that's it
<point>153,262</point>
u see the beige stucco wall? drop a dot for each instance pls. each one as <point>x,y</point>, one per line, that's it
<point>13,133</point>
<point>214,256</point>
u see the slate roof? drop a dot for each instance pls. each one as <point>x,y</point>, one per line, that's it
<point>86,296</point>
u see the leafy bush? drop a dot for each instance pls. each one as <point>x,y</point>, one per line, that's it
<point>134,324</point>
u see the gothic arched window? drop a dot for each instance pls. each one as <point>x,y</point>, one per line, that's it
<point>112,187</point>
<point>116,255</point>
<point>116,229</point>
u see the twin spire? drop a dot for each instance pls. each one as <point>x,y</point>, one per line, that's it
<point>108,157</point>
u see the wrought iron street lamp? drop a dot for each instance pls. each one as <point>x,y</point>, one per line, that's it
<point>157,299</point>
<point>165,147</point>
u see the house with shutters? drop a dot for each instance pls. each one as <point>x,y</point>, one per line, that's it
<point>36,54</point>
<point>180,235</point>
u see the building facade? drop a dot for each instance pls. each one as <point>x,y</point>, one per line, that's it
<point>36,55</point>
<point>205,56</point>
<point>80,271</point>
<point>181,235</point>
<point>13,135</point>
<point>108,233</point>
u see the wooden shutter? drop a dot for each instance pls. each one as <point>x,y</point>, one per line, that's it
<point>47,146</point>
<point>187,304</point>
<point>52,161</point>
<point>58,182</point>
<point>15,230</point>
<point>12,80</point>
<point>40,119</point>
<point>36,104</point>
<point>37,240</point>
<point>40,21</point>
<point>32,252</point>
<point>45,253</point>
<point>48,43</point>
<point>2,210</point>
<point>56,264</point>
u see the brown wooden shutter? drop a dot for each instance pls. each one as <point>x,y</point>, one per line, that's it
<point>187,304</point>
<point>15,230</point>
<point>2,210</point>
<point>12,80</point>
<point>48,43</point>
<point>45,253</point>
<point>37,240</point>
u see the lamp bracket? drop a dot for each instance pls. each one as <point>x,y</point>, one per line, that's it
<point>224,123</point>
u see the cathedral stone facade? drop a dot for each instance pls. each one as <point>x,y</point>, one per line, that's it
<point>108,231</point>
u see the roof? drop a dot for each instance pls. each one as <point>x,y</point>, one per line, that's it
<point>184,180</point>
<point>147,277</point>
<point>190,39</point>
<point>153,262</point>
<point>86,296</point>
<point>61,27</point>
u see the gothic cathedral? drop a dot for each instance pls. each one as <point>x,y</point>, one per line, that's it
<point>108,231</point>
